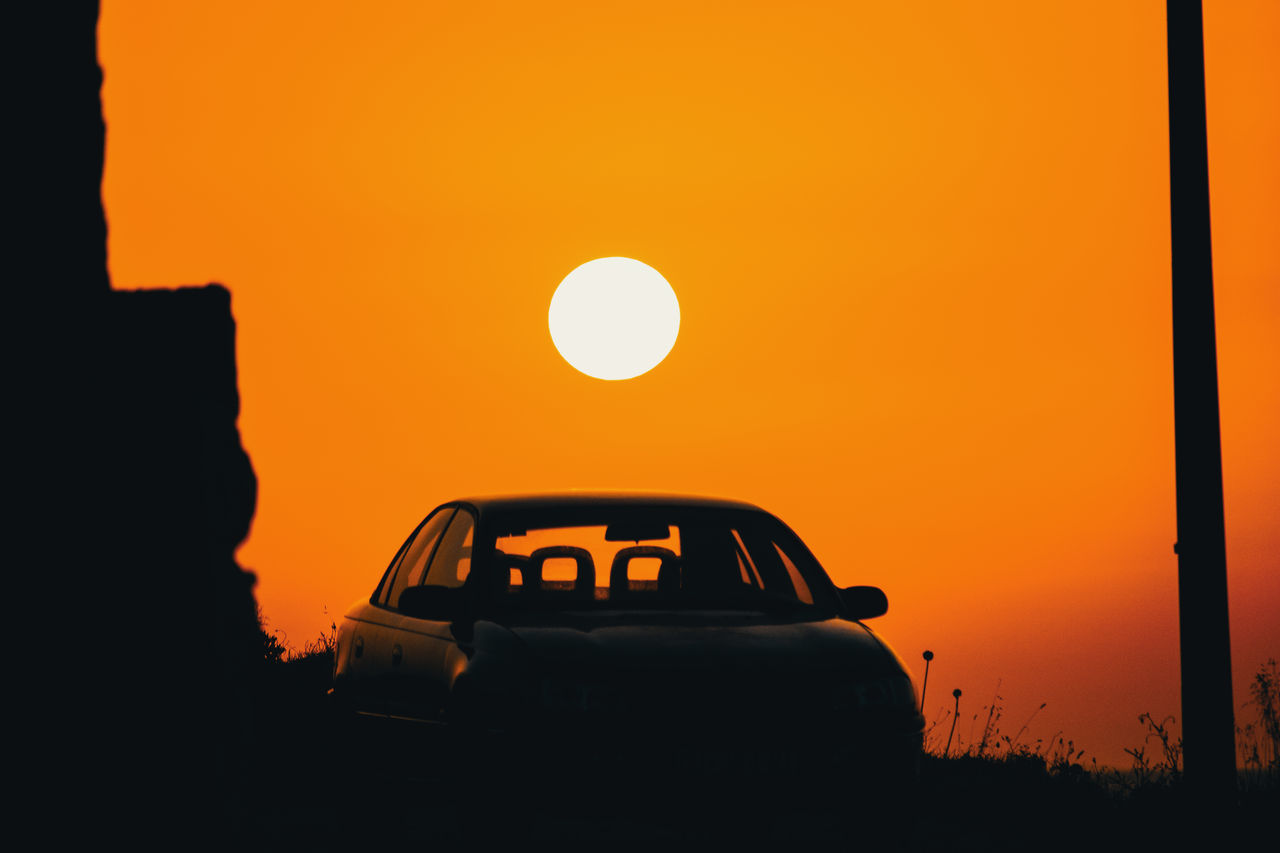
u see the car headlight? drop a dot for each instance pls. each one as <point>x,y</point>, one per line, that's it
<point>564,695</point>
<point>893,691</point>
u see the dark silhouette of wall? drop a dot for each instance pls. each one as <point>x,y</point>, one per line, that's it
<point>136,630</point>
<point>180,494</point>
<point>58,228</point>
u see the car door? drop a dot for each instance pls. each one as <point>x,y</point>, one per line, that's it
<point>422,648</point>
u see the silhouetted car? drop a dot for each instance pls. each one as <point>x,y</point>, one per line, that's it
<point>644,630</point>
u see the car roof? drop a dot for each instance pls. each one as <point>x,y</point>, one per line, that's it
<point>575,500</point>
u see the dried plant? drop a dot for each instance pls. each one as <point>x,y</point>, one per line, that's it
<point>1258,742</point>
<point>954,717</point>
<point>990,729</point>
<point>924,685</point>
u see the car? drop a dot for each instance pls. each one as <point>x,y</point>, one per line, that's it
<point>634,630</point>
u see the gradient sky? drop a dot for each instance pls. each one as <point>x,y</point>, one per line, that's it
<point>922,257</point>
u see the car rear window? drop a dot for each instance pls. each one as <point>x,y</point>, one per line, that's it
<point>716,563</point>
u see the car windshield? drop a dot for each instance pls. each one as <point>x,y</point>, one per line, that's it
<point>651,558</point>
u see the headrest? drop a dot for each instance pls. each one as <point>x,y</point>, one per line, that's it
<point>584,583</point>
<point>668,571</point>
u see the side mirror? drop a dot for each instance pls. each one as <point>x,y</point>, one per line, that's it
<point>864,602</point>
<point>438,603</point>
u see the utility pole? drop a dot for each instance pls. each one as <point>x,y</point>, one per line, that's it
<point>1208,720</point>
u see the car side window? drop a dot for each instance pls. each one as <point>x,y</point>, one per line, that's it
<point>384,583</point>
<point>765,564</point>
<point>797,580</point>
<point>452,560</point>
<point>746,566</point>
<point>416,556</point>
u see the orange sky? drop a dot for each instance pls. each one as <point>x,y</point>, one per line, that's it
<point>922,257</point>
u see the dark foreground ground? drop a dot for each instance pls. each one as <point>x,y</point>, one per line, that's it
<point>311,783</point>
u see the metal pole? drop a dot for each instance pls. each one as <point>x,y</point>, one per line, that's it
<point>1208,723</point>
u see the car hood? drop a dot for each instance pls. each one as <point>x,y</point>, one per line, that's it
<point>702,641</point>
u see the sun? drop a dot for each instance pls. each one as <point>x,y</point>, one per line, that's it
<point>614,318</point>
